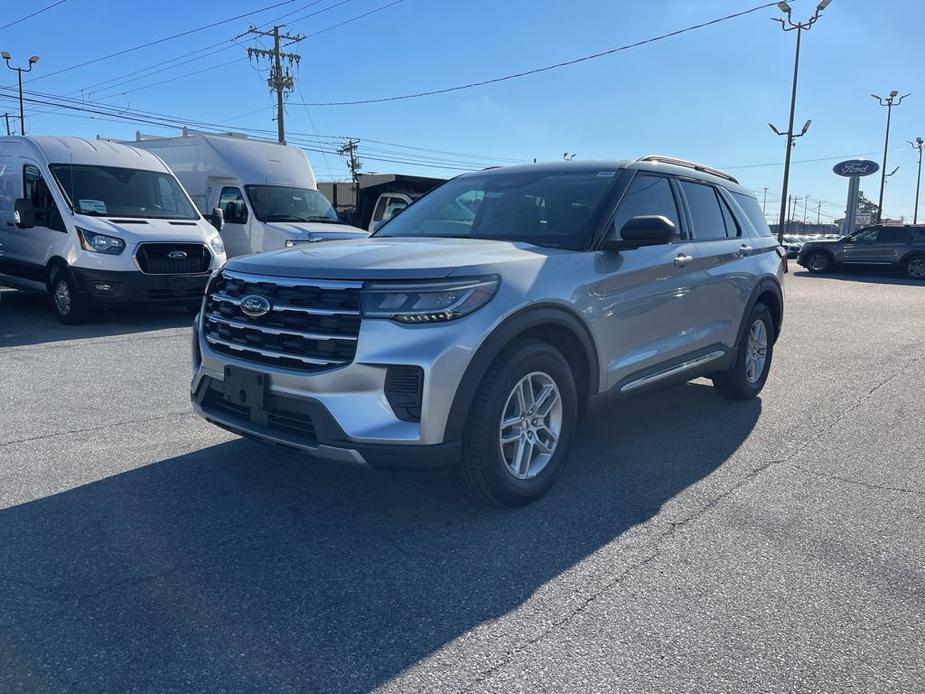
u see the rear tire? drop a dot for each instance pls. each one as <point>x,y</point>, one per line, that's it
<point>915,267</point>
<point>520,426</point>
<point>818,262</point>
<point>70,306</point>
<point>747,376</point>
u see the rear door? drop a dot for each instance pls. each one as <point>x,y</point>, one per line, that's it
<point>891,245</point>
<point>721,274</point>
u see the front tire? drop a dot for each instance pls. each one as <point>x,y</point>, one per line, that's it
<point>747,376</point>
<point>915,267</point>
<point>818,262</point>
<point>521,425</point>
<point>70,306</point>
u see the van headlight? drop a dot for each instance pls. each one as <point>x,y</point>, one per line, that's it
<point>216,243</point>
<point>100,243</point>
<point>428,301</point>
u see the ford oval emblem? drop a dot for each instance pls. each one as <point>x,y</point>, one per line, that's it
<point>176,255</point>
<point>856,167</point>
<point>255,305</point>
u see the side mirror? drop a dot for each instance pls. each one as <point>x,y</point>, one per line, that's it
<point>848,239</point>
<point>218,218</point>
<point>644,230</point>
<point>24,213</point>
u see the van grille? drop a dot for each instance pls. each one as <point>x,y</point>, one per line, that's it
<point>313,324</point>
<point>154,258</point>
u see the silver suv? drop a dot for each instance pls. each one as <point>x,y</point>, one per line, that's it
<point>472,329</point>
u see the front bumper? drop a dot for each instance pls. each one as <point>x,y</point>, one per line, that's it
<point>110,286</point>
<point>305,424</point>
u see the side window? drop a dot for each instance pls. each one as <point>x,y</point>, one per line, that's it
<point>233,206</point>
<point>894,235</point>
<point>393,206</point>
<point>647,195</point>
<point>732,226</point>
<point>380,208</point>
<point>35,189</point>
<point>706,212</point>
<point>753,211</point>
<point>918,234</point>
<point>867,235</point>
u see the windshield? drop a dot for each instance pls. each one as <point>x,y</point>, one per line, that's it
<point>287,204</point>
<point>542,208</point>
<point>110,191</point>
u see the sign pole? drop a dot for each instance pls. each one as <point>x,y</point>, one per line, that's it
<point>851,210</point>
<point>853,169</point>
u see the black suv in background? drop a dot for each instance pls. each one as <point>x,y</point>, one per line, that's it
<point>901,247</point>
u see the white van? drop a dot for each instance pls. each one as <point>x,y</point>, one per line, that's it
<point>93,222</point>
<point>266,191</point>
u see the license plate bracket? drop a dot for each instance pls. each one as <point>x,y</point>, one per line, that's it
<point>245,387</point>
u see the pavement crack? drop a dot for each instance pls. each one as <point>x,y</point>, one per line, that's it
<point>96,428</point>
<point>859,483</point>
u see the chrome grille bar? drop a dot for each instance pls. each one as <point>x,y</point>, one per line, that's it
<point>277,331</point>
<point>218,296</point>
<point>272,354</point>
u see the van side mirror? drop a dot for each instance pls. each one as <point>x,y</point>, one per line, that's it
<point>24,213</point>
<point>644,230</point>
<point>218,218</point>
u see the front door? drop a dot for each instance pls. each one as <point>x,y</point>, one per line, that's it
<point>235,234</point>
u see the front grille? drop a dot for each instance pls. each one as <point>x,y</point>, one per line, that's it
<point>154,258</point>
<point>313,324</point>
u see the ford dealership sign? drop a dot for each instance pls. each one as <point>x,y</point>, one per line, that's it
<point>856,167</point>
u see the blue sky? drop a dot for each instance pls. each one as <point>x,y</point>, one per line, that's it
<point>706,95</point>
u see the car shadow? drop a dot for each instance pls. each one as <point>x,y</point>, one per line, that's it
<point>241,567</point>
<point>27,319</point>
<point>869,275</point>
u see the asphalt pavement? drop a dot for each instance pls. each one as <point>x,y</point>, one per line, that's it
<point>692,545</point>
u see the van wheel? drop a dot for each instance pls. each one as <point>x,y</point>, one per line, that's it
<point>70,306</point>
<point>745,379</point>
<point>915,267</point>
<point>520,426</point>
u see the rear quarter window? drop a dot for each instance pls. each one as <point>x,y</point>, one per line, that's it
<point>753,211</point>
<point>918,234</point>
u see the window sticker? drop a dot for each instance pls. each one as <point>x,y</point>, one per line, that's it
<point>92,206</point>
<point>606,174</point>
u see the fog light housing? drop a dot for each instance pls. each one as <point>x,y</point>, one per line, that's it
<point>404,389</point>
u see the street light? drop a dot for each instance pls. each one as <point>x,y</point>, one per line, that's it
<point>789,25</point>
<point>32,61</point>
<point>889,102</point>
<point>917,145</point>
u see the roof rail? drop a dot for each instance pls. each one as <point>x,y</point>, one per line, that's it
<point>688,164</point>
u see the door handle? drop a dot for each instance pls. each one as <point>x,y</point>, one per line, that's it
<point>681,260</point>
<point>745,249</point>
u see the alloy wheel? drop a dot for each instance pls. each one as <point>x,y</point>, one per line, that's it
<point>62,298</point>
<point>916,268</point>
<point>531,425</point>
<point>756,351</point>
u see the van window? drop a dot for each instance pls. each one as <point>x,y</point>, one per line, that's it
<point>233,206</point>
<point>706,213</point>
<point>36,190</point>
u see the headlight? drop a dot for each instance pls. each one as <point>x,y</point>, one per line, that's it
<point>100,243</point>
<point>217,245</point>
<point>427,302</point>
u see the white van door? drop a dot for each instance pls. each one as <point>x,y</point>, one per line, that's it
<point>386,208</point>
<point>235,234</point>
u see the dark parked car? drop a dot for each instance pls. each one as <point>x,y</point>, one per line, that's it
<point>901,247</point>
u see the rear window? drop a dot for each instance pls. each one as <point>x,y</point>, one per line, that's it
<point>753,211</point>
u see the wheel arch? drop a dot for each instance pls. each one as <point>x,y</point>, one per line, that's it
<point>550,323</point>
<point>768,291</point>
<point>55,262</point>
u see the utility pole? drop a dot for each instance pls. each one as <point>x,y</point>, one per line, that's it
<point>6,117</point>
<point>819,213</point>
<point>805,207</point>
<point>889,102</point>
<point>917,145</point>
<point>789,25</point>
<point>280,80</point>
<point>349,150</point>
<point>32,61</point>
<point>764,204</point>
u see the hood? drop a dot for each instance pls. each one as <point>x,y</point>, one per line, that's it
<point>134,231</point>
<point>319,231</point>
<point>392,258</point>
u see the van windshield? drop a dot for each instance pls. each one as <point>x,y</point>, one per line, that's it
<point>539,207</point>
<point>288,204</point>
<point>110,191</point>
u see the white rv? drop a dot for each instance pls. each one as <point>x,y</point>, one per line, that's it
<point>266,191</point>
<point>92,222</point>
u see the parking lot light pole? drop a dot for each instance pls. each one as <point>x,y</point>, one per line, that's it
<point>889,102</point>
<point>789,25</point>
<point>918,144</point>
<point>32,61</point>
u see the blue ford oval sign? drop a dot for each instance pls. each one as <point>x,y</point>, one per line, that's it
<point>255,305</point>
<point>856,167</point>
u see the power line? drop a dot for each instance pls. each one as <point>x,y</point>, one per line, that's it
<point>546,68</point>
<point>161,40</point>
<point>30,16</point>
